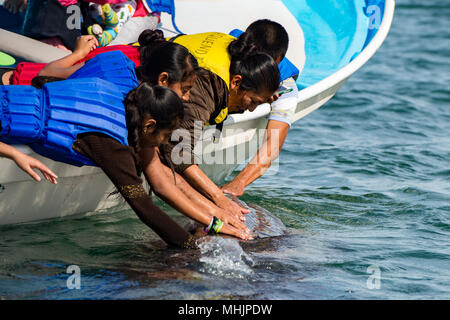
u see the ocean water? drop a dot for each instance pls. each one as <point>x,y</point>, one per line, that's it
<point>363,187</point>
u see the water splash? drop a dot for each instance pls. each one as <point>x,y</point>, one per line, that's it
<point>224,257</point>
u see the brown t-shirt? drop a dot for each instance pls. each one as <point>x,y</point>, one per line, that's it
<point>208,96</point>
<point>120,164</point>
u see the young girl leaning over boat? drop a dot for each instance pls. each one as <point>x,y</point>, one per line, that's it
<point>64,126</point>
<point>63,67</point>
<point>272,38</point>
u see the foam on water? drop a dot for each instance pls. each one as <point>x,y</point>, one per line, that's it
<point>225,257</point>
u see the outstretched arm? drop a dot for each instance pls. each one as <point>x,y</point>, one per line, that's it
<point>270,150</point>
<point>65,67</point>
<point>201,182</point>
<point>27,163</point>
<point>281,116</point>
<point>15,6</point>
<point>119,164</point>
<point>183,197</point>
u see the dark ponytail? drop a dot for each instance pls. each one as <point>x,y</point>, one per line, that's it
<point>148,40</point>
<point>242,46</point>
<point>161,103</point>
<point>159,55</point>
<point>258,70</point>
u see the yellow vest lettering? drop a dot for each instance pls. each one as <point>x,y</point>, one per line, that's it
<point>210,50</point>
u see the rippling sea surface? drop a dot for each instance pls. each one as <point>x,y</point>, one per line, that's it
<point>363,186</point>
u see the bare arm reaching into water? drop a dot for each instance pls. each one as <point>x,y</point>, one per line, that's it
<point>184,198</point>
<point>119,163</point>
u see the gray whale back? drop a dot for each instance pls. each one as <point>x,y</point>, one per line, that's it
<point>262,223</point>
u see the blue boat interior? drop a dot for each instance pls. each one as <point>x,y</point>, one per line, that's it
<point>335,31</point>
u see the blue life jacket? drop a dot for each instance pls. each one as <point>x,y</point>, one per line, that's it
<point>287,68</point>
<point>49,120</point>
<point>113,66</point>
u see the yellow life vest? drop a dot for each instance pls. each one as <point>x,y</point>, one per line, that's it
<point>210,50</point>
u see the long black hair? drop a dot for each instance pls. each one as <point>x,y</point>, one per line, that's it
<point>161,103</point>
<point>159,55</point>
<point>258,70</point>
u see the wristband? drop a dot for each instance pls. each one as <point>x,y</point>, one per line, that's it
<point>208,227</point>
<point>218,224</point>
<point>214,226</point>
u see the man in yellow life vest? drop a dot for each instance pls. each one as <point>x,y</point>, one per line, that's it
<point>269,37</point>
